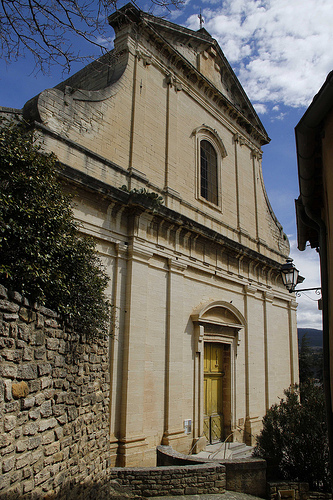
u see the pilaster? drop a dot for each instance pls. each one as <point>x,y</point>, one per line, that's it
<point>132,441</point>
<point>173,418</point>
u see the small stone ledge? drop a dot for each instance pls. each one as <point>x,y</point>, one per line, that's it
<point>246,475</point>
<point>170,480</point>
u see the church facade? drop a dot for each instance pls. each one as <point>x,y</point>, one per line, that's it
<point>203,337</point>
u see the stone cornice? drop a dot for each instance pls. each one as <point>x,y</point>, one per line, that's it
<point>134,205</point>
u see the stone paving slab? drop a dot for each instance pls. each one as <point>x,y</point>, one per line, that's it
<point>228,495</point>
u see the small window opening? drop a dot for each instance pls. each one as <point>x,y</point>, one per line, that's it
<point>208,174</point>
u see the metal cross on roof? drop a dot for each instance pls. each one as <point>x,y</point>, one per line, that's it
<point>201,19</point>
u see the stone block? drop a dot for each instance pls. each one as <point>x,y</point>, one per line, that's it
<point>23,460</point>
<point>34,442</point>
<point>20,390</point>
<point>46,424</point>
<point>9,423</point>
<point>36,456</point>
<point>27,472</point>
<point>5,440</point>
<point>34,414</point>
<point>14,355</point>
<point>39,338</point>
<point>30,429</point>
<point>59,432</point>
<point>28,402</point>
<point>34,385</point>
<point>46,382</point>
<point>10,316</point>
<point>39,353</point>
<point>27,354</point>
<point>62,419</point>
<point>46,409</point>
<point>8,306</point>
<point>21,445</point>
<point>28,486</point>
<point>27,315</point>
<point>40,321</point>
<point>44,369</point>
<point>12,406</point>
<point>42,476</point>
<point>48,437</point>
<point>8,371</point>
<point>52,448</point>
<point>3,292</point>
<point>39,399</point>
<point>27,371</point>
<point>7,390</point>
<point>8,464</point>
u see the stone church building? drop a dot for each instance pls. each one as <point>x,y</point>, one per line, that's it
<point>203,338</point>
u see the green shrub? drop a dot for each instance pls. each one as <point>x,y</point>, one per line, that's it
<point>42,256</point>
<point>294,438</point>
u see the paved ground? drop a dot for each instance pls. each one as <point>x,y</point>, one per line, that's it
<point>228,495</point>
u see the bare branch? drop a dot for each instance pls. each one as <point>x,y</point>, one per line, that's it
<point>49,29</point>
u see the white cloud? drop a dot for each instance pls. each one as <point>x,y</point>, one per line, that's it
<point>279,117</point>
<point>105,42</point>
<point>260,108</point>
<point>280,49</point>
<point>307,262</point>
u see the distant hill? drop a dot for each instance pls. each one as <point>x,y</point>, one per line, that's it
<point>314,336</point>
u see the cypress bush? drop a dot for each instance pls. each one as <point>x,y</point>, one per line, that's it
<point>294,438</point>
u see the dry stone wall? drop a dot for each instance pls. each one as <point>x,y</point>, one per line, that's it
<point>54,405</point>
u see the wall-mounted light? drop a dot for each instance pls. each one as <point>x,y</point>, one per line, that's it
<point>291,278</point>
<point>290,275</point>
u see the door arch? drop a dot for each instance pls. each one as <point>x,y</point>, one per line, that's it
<point>218,329</point>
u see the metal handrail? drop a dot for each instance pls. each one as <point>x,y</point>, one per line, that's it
<point>223,444</point>
<point>195,442</point>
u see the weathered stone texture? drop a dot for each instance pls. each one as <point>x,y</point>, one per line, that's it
<point>172,480</point>
<point>52,434</point>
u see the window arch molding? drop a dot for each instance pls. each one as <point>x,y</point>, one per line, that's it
<point>209,152</point>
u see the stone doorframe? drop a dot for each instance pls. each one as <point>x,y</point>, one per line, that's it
<point>218,322</point>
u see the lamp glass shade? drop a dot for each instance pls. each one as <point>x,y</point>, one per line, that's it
<point>289,275</point>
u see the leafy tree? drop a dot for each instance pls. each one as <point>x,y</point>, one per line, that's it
<point>49,29</point>
<point>294,438</point>
<point>305,360</point>
<point>42,255</point>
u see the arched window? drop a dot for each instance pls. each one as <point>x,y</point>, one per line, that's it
<point>208,172</point>
<point>209,152</point>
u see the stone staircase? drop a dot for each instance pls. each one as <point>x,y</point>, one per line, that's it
<point>230,451</point>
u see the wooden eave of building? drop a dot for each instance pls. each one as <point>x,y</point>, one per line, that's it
<point>308,147</point>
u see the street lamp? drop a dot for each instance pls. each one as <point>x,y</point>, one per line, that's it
<point>291,278</point>
<point>290,275</point>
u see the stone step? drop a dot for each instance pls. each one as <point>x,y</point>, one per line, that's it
<point>231,451</point>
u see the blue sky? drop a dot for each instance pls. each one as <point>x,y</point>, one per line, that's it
<point>281,52</point>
